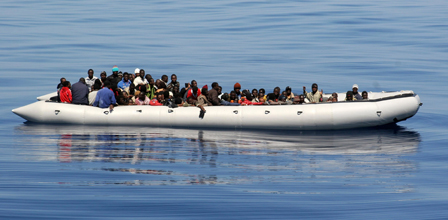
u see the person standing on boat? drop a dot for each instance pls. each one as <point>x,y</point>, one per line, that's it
<point>173,83</point>
<point>65,94</point>
<point>105,97</point>
<point>125,82</point>
<point>314,96</point>
<point>114,79</point>
<point>90,80</point>
<point>356,93</point>
<point>80,92</point>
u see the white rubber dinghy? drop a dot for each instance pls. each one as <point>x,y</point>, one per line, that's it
<point>384,108</point>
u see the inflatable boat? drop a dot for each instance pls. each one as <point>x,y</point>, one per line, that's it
<point>382,108</point>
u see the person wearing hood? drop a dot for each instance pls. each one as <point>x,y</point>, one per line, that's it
<point>314,96</point>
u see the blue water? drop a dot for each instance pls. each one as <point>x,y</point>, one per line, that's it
<point>73,172</point>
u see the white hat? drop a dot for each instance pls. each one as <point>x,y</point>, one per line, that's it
<point>355,86</point>
<point>137,70</point>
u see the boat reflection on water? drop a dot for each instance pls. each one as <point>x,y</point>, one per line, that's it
<point>174,153</point>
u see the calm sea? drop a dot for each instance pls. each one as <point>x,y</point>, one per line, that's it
<point>74,172</point>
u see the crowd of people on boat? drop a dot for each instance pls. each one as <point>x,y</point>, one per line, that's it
<point>140,88</point>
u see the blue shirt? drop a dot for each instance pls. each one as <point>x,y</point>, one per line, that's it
<point>104,98</point>
<point>123,85</point>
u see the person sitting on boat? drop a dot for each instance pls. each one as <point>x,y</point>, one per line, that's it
<point>299,99</point>
<point>254,95</point>
<point>365,95</point>
<point>262,93</point>
<point>142,99</point>
<point>59,87</point>
<point>289,95</point>
<point>233,97</point>
<point>65,93</point>
<point>349,96</point>
<point>333,97</point>
<point>164,79</point>
<point>219,92</point>
<point>225,100</point>
<point>90,79</point>
<point>173,83</point>
<point>157,100</point>
<point>105,97</point>
<point>96,88</point>
<point>114,80</point>
<point>202,99</point>
<point>261,98</point>
<point>80,92</point>
<point>194,93</point>
<point>355,92</point>
<point>150,89</point>
<point>127,98</point>
<point>212,95</point>
<point>237,89</point>
<point>176,92</point>
<point>191,102</point>
<point>314,96</point>
<point>273,97</point>
<point>125,82</point>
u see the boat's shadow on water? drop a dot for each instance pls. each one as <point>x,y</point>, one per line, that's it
<point>183,156</point>
<point>383,140</point>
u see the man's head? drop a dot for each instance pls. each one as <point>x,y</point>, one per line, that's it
<point>90,73</point>
<point>142,96</point>
<point>160,96</point>
<point>107,84</point>
<point>276,90</point>
<point>254,92</point>
<point>193,83</point>
<point>165,78</point>
<point>151,82</point>
<point>261,92</point>
<point>103,76</point>
<point>365,95</point>
<point>63,80</point>
<point>301,98</point>
<point>355,89</point>
<point>115,70</point>
<point>82,80</point>
<point>314,87</point>
<point>215,86</point>
<point>288,90</point>
<point>173,78</point>
<point>148,77</point>
<point>190,100</point>
<point>175,89</point>
<point>247,94</point>
<point>334,97</point>
<point>232,95</point>
<point>349,96</point>
<point>219,89</point>
<point>142,73</point>
<point>137,72</point>
<point>66,84</point>
<point>237,88</point>
<point>120,75</point>
<point>204,91</point>
<point>126,76</point>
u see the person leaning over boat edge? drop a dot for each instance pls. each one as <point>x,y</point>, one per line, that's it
<point>105,97</point>
<point>314,96</point>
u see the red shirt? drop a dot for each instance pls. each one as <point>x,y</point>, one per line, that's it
<point>155,102</point>
<point>190,94</point>
<point>66,95</point>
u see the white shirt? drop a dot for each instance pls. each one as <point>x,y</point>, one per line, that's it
<point>92,96</point>
<point>138,80</point>
<point>90,82</point>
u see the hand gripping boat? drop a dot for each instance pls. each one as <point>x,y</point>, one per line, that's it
<point>382,108</point>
